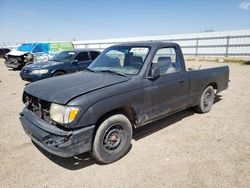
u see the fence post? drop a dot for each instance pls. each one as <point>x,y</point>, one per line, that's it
<point>227,46</point>
<point>197,46</point>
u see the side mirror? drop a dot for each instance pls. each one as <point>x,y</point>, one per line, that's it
<point>154,72</point>
<point>75,62</point>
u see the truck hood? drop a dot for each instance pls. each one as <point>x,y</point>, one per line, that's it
<point>16,53</point>
<point>42,65</point>
<point>62,89</point>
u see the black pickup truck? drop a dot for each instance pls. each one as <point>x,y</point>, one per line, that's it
<point>127,86</point>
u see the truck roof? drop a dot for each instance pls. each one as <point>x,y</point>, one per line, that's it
<point>83,50</point>
<point>149,43</point>
<point>46,42</point>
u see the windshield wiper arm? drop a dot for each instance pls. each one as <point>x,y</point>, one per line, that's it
<point>114,72</point>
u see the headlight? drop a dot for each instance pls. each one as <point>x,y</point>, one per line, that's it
<point>27,57</point>
<point>42,71</point>
<point>63,114</point>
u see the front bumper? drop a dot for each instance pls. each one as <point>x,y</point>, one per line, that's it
<point>13,65</point>
<point>54,140</point>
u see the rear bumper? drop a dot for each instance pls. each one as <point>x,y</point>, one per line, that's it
<point>55,140</point>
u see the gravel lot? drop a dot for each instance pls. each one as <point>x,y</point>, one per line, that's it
<point>184,150</point>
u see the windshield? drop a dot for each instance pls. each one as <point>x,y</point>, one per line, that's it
<point>27,47</point>
<point>121,59</point>
<point>66,56</point>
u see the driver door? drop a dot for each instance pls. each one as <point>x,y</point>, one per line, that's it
<point>171,88</point>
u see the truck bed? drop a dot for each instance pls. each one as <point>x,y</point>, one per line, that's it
<point>202,77</point>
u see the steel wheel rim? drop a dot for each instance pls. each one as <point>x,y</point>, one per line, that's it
<point>208,98</point>
<point>114,139</point>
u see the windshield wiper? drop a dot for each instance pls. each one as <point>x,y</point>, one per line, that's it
<point>114,72</point>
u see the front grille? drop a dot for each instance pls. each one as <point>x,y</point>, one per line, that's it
<point>38,107</point>
<point>13,59</point>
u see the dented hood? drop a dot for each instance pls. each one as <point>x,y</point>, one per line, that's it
<point>62,89</point>
<point>16,53</point>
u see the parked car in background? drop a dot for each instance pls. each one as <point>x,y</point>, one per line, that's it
<point>127,86</point>
<point>63,63</point>
<point>35,52</point>
<point>3,52</point>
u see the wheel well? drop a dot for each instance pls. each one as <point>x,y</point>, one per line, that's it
<point>59,71</point>
<point>127,111</point>
<point>214,85</point>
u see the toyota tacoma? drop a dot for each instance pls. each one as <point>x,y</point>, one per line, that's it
<point>125,87</point>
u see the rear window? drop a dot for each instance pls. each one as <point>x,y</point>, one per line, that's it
<point>82,56</point>
<point>42,47</point>
<point>94,55</point>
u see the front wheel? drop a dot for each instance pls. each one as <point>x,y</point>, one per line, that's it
<point>206,100</point>
<point>112,139</point>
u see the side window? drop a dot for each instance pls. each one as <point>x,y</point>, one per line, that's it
<point>41,48</point>
<point>167,60</point>
<point>82,56</point>
<point>94,55</point>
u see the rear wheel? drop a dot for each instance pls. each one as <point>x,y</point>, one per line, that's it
<point>206,100</point>
<point>112,139</point>
<point>58,73</point>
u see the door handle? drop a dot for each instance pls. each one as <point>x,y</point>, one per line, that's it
<point>182,82</point>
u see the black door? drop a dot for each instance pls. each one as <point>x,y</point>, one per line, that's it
<point>172,86</point>
<point>173,92</point>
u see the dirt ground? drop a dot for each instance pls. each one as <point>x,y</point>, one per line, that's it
<point>184,150</point>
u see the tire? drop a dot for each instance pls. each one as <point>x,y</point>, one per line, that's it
<point>206,100</point>
<point>58,73</point>
<point>19,67</point>
<point>112,140</point>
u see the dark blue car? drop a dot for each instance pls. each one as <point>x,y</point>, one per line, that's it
<point>63,63</point>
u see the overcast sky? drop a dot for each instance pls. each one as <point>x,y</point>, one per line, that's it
<point>33,20</point>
